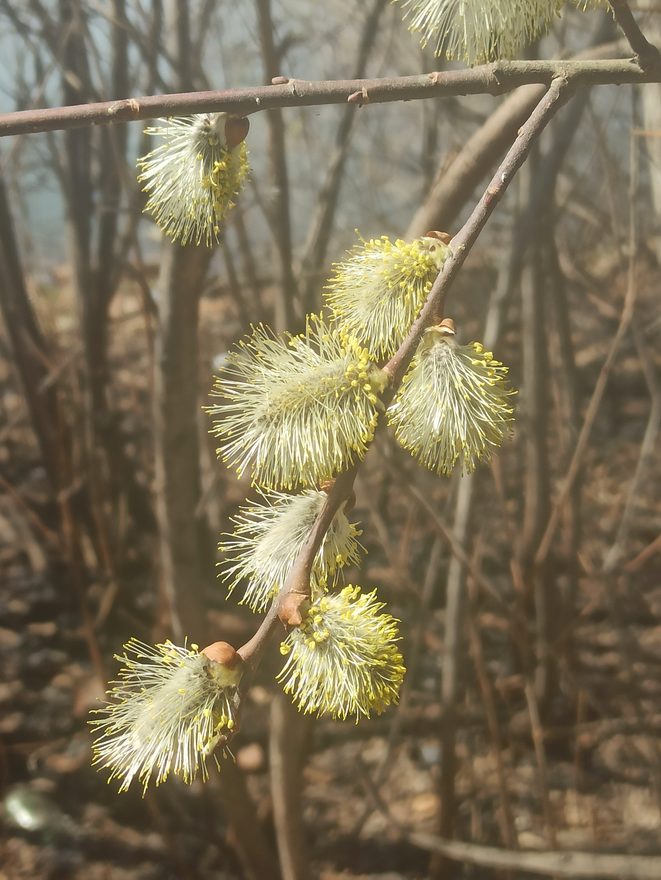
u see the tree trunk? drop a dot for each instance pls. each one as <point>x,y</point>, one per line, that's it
<point>29,348</point>
<point>184,544</point>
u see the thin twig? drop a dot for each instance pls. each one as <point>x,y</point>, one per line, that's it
<point>456,548</point>
<point>556,863</point>
<point>558,93</point>
<point>648,55</point>
<point>645,458</point>
<point>298,580</point>
<point>597,396</point>
<point>641,558</point>
<point>491,79</point>
<point>505,817</point>
<point>542,764</point>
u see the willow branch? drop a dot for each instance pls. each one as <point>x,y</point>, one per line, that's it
<point>297,585</point>
<point>560,91</point>
<point>648,55</point>
<point>492,79</point>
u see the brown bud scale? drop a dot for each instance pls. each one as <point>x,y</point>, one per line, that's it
<point>223,653</point>
<point>236,130</point>
<point>445,237</point>
<point>447,326</point>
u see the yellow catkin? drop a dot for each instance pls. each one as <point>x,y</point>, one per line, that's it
<point>193,178</point>
<point>167,712</point>
<point>293,411</point>
<point>376,292</point>
<point>453,407</point>
<point>344,660</point>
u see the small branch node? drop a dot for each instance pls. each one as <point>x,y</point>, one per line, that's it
<point>292,607</point>
<point>127,104</point>
<point>361,97</point>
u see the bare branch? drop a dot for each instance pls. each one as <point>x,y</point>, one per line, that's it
<point>278,203</point>
<point>554,863</point>
<point>492,79</point>
<point>602,380</point>
<point>559,92</point>
<point>648,55</point>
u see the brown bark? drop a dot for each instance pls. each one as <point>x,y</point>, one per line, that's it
<point>182,535</point>
<point>456,181</point>
<point>287,752</point>
<point>534,409</point>
<point>321,224</point>
<point>567,377</point>
<point>278,209</point>
<point>453,651</point>
<point>30,348</point>
<point>537,484</point>
<point>490,79</point>
<point>246,834</point>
